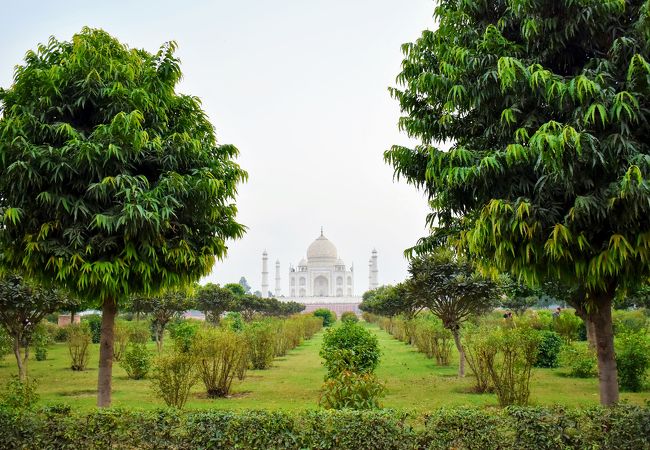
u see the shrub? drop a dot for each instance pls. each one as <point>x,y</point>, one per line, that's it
<point>174,374</point>
<point>433,339</point>
<point>567,325</point>
<point>121,338</point>
<point>94,322</point>
<point>626,321</point>
<point>510,368</point>
<point>352,390</point>
<point>329,317</point>
<point>182,333</point>
<point>479,354</point>
<point>234,321</point>
<point>221,355</point>
<point>79,339</point>
<point>40,341</point>
<point>580,360</point>
<point>136,361</point>
<point>260,338</point>
<point>5,343</point>
<point>350,347</point>
<point>61,334</point>
<point>20,394</point>
<point>349,316</point>
<point>138,331</point>
<point>550,345</point>
<point>632,359</point>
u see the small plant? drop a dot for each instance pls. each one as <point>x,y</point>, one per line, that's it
<point>182,333</point>
<point>174,374</point>
<point>79,339</point>
<point>632,359</point>
<point>121,338</point>
<point>221,355</point>
<point>138,331</point>
<point>350,347</point>
<point>352,390</point>
<point>550,345</point>
<point>136,361</point>
<point>480,353</point>
<point>349,316</point>
<point>40,341</point>
<point>260,338</point>
<point>5,343</point>
<point>433,339</point>
<point>20,394</point>
<point>94,323</point>
<point>568,325</point>
<point>329,317</point>
<point>580,360</point>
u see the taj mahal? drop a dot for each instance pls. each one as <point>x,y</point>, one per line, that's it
<point>321,280</point>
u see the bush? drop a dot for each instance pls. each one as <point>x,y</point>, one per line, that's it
<point>550,345</point>
<point>352,390</point>
<point>350,347</point>
<point>136,361</point>
<point>349,316</point>
<point>121,334</point>
<point>40,340</point>
<point>79,339</point>
<point>174,374</point>
<point>182,333</point>
<point>329,317</point>
<point>5,343</point>
<point>632,359</point>
<point>137,331</point>
<point>433,339</point>
<point>629,321</point>
<point>221,355</point>
<point>580,360</point>
<point>567,325</point>
<point>20,394</point>
<point>60,335</point>
<point>260,338</point>
<point>94,322</point>
<point>510,367</point>
<point>479,354</point>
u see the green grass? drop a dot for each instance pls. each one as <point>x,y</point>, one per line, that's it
<point>413,381</point>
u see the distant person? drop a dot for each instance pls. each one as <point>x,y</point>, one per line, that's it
<point>557,312</point>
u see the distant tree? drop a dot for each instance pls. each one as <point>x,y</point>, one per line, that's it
<point>290,308</point>
<point>23,305</point>
<point>163,308</point>
<point>389,301</point>
<point>248,305</point>
<point>236,288</point>
<point>543,108</point>
<point>214,300</point>
<point>518,296</point>
<point>111,183</point>
<point>448,286</point>
<point>244,283</point>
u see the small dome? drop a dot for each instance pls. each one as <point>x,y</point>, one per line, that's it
<point>322,248</point>
<point>302,263</point>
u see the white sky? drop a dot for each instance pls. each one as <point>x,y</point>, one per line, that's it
<point>300,87</point>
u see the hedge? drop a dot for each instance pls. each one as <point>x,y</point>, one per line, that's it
<point>623,427</point>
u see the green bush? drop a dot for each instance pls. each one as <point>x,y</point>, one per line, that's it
<point>580,360</point>
<point>121,333</point>
<point>79,339</point>
<point>567,325</point>
<point>174,374</point>
<point>550,345</point>
<point>480,352</point>
<point>137,331</point>
<point>329,317</point>
<point>629,321</point>
<point>349,316</point>
<point>260,338</point>
<point>351,390</point>
<point>433,339</point>
<point>221,355</point>
<point>182,333</point>
<point>57,427</point>
<point>19,394</point>
<point>5,343</point>
<point>40,340</point>
<point>632,359</point>
<point>136,361</point>
<point>350,347</point>
<point>94,322</point>
<point>61,334</point>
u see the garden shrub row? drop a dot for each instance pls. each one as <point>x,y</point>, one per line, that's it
<point>622,427</point>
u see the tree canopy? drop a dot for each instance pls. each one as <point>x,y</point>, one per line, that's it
<point>111,182</point>
<point>544,107</point>
<point>389,301</point>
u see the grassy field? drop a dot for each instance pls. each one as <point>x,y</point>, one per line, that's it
<point>413,381</point>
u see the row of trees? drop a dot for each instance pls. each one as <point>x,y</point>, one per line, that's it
<point>533,123</point>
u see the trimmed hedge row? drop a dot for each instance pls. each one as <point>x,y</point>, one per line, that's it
<point>623,427</point>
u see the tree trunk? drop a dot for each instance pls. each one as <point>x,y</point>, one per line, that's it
<point>104,382</point>
<point>22,365</point>
<point>604,331</point>
<point>591,333</point>
<point>72,314</point>
<point>159,338</point>
<point>461,352</point>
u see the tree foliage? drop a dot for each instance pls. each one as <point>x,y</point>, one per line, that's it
<point>389,301</point>
<point>544,104</point>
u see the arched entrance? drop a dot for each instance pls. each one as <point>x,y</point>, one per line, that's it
<point>321,286</point>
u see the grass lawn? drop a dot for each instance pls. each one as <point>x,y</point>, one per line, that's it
<point>413,381</point>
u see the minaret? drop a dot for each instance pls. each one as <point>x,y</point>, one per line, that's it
<point>265,274</point>
<point>277,279</point>
<point>373,275</point>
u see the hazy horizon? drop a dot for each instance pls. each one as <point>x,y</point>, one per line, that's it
<point>301,89</point>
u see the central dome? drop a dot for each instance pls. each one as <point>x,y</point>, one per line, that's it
<point>322,248</point>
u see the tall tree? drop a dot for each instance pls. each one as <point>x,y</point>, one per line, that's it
<point>449,287</point>
<point>244,283</point>
<point>23,305</point>
<point>163,307</point>
<point>544,105</point>
<point>111,183</point>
